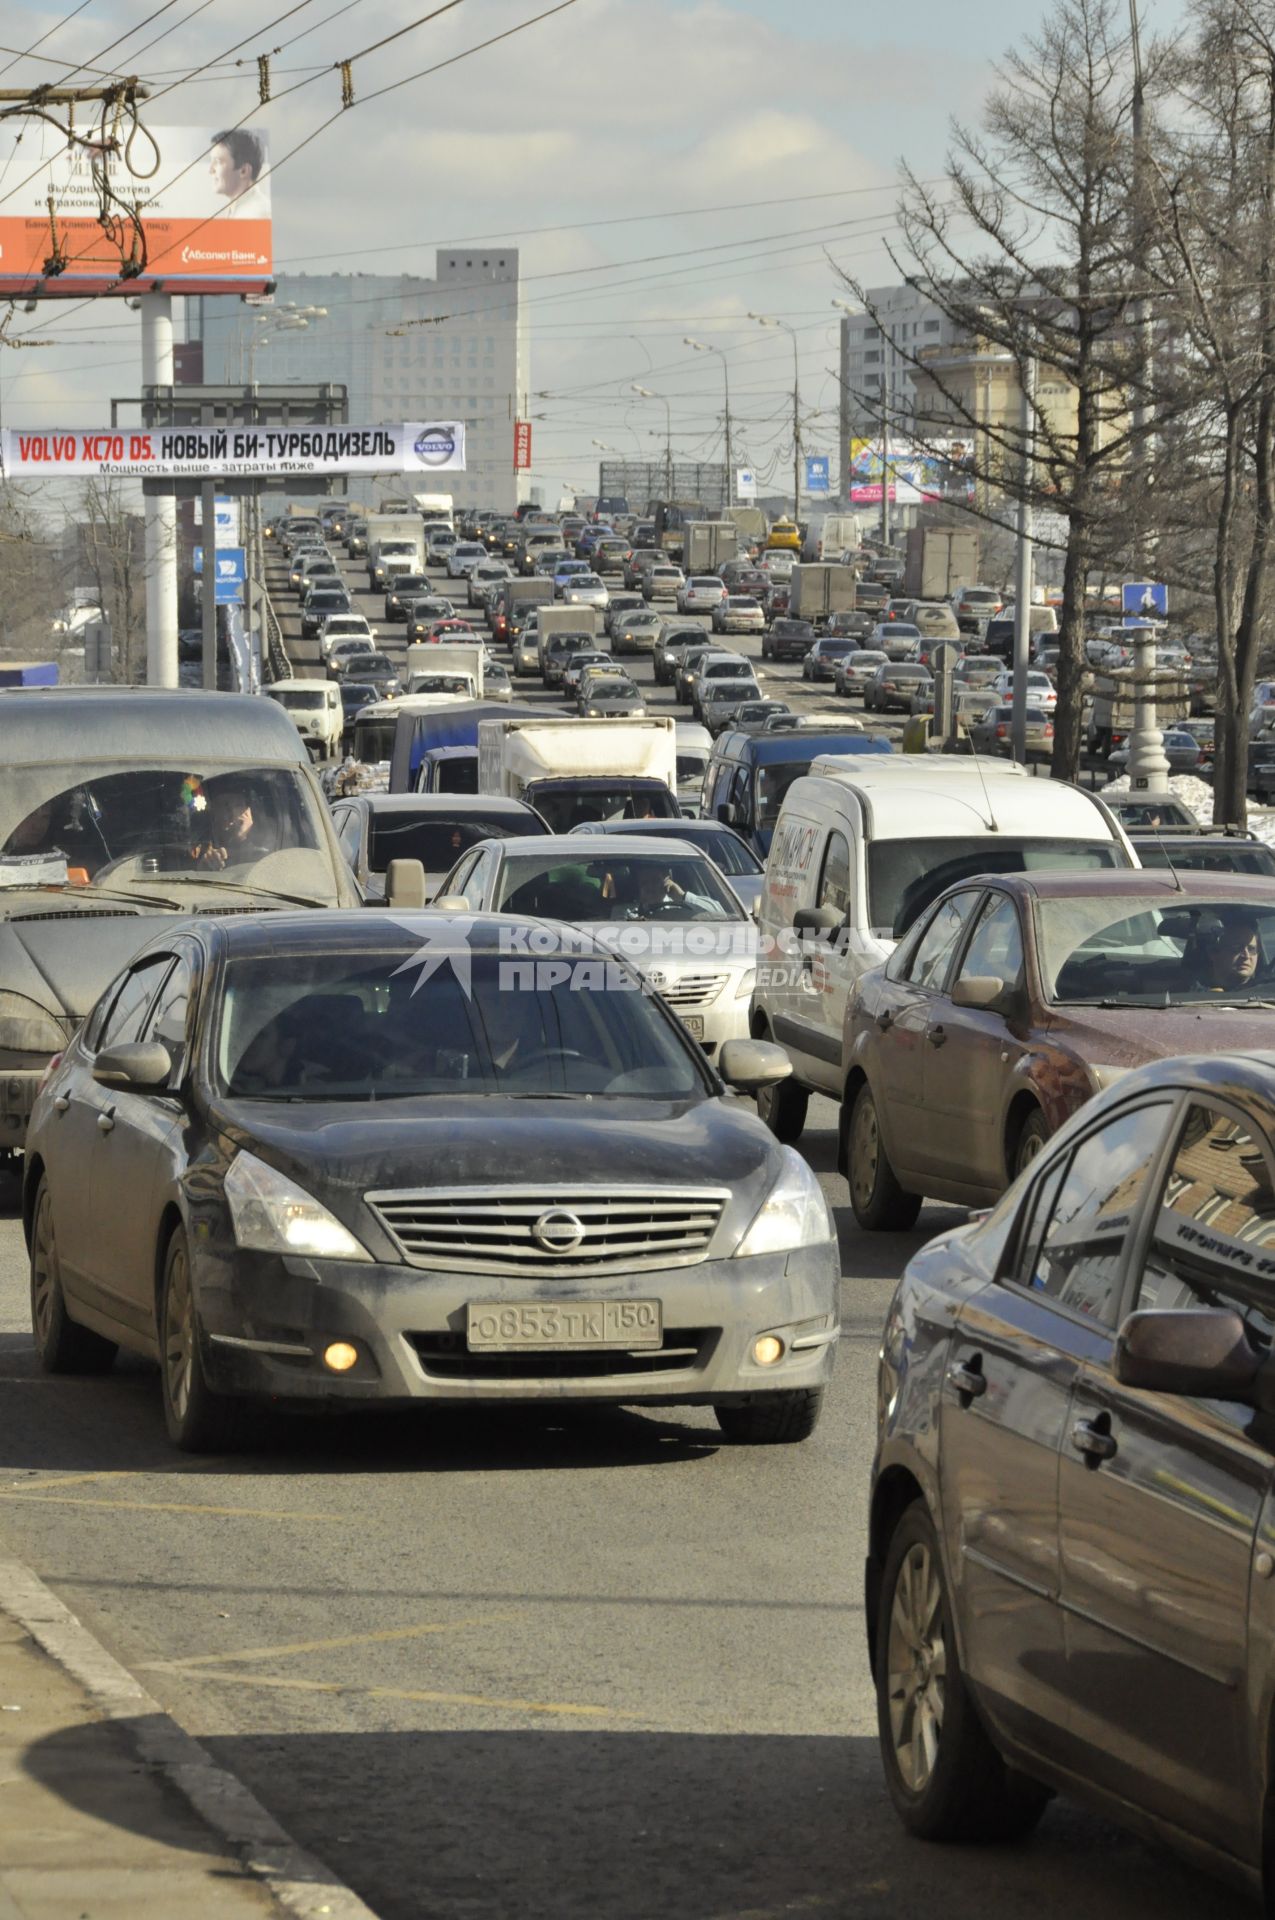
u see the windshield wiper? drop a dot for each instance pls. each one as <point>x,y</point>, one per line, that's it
<point>238,886</point>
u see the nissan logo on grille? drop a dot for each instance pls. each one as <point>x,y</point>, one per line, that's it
<point>558,1232</point>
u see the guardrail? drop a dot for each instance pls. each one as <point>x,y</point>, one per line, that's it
<point>275,663</point>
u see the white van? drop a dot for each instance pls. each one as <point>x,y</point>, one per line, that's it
<point>861,846</point>
<point>694,751</point>
<point>315,705</point>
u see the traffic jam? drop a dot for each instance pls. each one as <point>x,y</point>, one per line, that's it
<point>603,931</point>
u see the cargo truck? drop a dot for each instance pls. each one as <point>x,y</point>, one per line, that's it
<point>708,545</point>
<point>553,622</point>
<point>750,524</point>
<point>572,771</point>
<point>939,560</point>
<point>444,658</point>
<point>438,737</point>
<point>435,509</point>
<point>838,533</point>
<point>29,673</point>
<point>514,596</point>
<point>815,592</point>
<point>395,545</point>
<point>1111,717</point>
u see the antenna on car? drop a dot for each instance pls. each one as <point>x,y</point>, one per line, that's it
<point>1164,848</point>
<point>982,781</point>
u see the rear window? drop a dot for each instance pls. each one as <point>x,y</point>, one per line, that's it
<point>436,840</point>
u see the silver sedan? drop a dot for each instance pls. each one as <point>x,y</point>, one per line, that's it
<point>738,613</point>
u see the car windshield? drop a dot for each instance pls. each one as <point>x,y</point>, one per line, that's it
<point>438,840</point>
<point>612,687</point>
<point>628,886</point>
<point>338,1027</point>
<point>374,737</point>
<point>905,875</point>
<point>299,699</point>
<point>725,849</point>
<point>1142,816</point>
<point>571,805</point>
<point>1125,951</point>
<point>1208,856</point>
<point>160,827</point>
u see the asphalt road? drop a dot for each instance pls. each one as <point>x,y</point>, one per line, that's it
<point>566,1666</point>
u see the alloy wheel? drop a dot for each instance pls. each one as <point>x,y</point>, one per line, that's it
<point>865,1150</point>
<point>916,1657</point>
<point>43,1270</point>
<point>179,1332</point>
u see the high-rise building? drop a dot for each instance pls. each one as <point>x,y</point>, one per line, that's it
<point>453,347</point>
<point>876,374</point>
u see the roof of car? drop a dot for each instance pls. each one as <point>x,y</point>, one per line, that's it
<point>352,930</point>
<point>767,749</point>
<point>98,725</point>
<point>567,845</point>
<point>1149,883</point>
<point>487,806</point>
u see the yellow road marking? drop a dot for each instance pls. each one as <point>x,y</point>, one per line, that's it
<point>321,1646</point>
<point>562,1708</point>
<point>173,1506</point>
<point>74,1479</point>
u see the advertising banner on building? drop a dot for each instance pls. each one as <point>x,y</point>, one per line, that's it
<point>195,215</point>
<point>230,453</point>
<point>522,443</point>
<point>916,473</point>
<point>745,484</point>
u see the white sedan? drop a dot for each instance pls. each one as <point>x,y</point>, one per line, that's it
<point>345,626</point>
<point>700,594</point>
<point>738,613</point>
<point>1041,691</point>
<point>585,590</point>
<point>463,558</point>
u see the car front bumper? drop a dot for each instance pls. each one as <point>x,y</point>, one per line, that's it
<point>266,1321</point>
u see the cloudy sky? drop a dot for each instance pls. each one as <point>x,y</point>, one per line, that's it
<point>665,167</point>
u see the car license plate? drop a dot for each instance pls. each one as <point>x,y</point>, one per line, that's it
<point>570,1326</point>
<point>694,1024</point>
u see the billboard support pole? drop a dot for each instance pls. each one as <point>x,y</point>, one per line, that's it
<point>160,507</point>
<point>1023,565</point>
<point>208,590</point>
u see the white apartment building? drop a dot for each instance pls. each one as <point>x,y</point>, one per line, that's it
<point>454,347</point>
<point>876,377</point>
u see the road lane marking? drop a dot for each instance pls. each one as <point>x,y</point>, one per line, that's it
<point>562,1708</point>
<point>171,1506</point>
<point>323,1646</point>
<point>74,1479</point>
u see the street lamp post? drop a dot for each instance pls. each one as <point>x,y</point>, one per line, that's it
<point>766,320</point>
<point>646,394</point>
<point>1148,764</point>
<point>698,346</point>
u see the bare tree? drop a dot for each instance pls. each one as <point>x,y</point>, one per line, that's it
<point>1026,248</point>
<point>110,547</point>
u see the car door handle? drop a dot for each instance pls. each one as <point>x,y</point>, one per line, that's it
<point>937,1037</point>
<point>106,1121</point>
<point>61,1101</point>
<point>1094,1441</point>
<point>971,1381</point>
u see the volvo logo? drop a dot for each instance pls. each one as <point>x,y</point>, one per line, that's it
<point>558,1231</point>
<point>435,446</point>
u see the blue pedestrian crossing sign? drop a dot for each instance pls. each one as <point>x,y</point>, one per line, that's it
<point>1143,600</point>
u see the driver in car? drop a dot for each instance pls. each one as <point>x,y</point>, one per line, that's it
<point>654,892</point>
<point>1226,953</point>
<point>231,837</point>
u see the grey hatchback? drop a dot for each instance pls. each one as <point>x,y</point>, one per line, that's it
<point>1072,1531</point>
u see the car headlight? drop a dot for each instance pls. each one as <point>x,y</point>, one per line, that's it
<point>27,1027</point>
<point>793,1214</point>
<point>747,982</point>
<point>271,1214</point>
<point>1105,1074</point>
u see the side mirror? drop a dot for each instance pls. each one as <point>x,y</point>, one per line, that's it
<point>980,990</point>
<point>450,903</point>
<point>1203,1353</point>
<point>138,1065</point>
<point>818,919</point>
<point>405,884</point>
<point>726,813</point>
<point>749,1064</point>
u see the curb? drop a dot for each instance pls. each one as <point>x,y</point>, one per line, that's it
<point>302,1886</point>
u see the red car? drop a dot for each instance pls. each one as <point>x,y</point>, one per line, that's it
<point>442,629</point>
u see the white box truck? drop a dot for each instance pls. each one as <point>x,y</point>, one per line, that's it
<point>395,544</point>
<point>577,770</point>
<point>815,591</point>
<point>440,660</point>
<point>435,509</point>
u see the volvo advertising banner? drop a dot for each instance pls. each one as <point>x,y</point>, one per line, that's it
<point>230,453</point>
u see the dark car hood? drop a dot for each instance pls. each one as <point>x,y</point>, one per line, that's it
<point>341,1152</point>
<point>1131,1036</point>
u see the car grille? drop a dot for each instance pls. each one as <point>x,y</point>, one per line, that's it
<point>490,1230</point>
<point>444,1356</point>
<point>693,989</point>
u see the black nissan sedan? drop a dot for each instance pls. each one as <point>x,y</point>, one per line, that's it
<point>352,1158</point>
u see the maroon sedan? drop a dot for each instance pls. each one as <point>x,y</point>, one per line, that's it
<point>1018,997</point>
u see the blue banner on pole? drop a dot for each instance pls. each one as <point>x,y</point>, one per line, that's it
<point>818,479</point>
<point>1144,600</point>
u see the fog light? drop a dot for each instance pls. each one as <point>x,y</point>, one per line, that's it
<point>340,1356</point>
<point>768,1349</point>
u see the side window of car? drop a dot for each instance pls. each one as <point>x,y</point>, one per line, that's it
<point>995,950</point>
<point>1086,1211</point>
<point>167,1018</point>
<point>476,881</point>
<point>1213,1238</point>
<point>124,1021</point>
<point>350,834</point>
<point>834,877</point>
<point>933,951</point>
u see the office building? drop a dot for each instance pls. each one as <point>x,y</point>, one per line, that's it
<point>876,376</point>
<point>453,347</point>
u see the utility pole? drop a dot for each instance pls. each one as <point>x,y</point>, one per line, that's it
<point>767,320</point>
<point>160,508</point>
<point>888,395</point>
<point>1024,558</point>
<point>1140,450</point>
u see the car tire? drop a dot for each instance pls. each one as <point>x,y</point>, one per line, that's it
<point>198,1419</point>
<point>778,1420</point>
<point>782,1107</point>
<point>879,1202</point>
<point>61,1344</point>
<point>1033,1135</point>
<point>946,1779</point>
